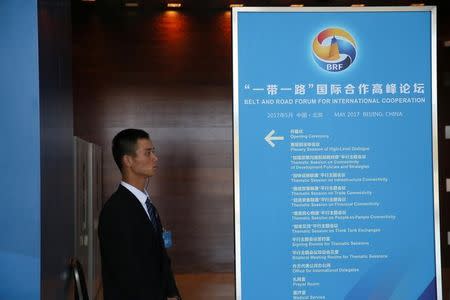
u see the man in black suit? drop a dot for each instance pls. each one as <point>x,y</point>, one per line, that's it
<point>135,264</point>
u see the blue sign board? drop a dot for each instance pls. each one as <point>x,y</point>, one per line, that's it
<point>335,154</point>
<point>20,182</point>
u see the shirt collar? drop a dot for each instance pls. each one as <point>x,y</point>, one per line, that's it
<point>140,195</point>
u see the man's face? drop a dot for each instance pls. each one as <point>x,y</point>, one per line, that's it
<point>144,163</point>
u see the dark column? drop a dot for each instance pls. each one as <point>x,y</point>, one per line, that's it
<point>56,130</point>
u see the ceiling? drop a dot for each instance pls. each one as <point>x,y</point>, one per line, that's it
<point>223,4</point>
<point>104,6</point>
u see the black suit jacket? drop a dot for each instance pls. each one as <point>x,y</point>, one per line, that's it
<point>135,264</point>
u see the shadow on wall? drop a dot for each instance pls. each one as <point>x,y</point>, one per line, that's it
<point>177,199</point>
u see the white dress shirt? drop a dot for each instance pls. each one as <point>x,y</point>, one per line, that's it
<point>140,195</point>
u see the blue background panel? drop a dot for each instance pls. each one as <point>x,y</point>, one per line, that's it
<point>391,47</point>
<point>19,151</point>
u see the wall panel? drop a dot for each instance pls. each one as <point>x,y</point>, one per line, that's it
<point>170,74</point>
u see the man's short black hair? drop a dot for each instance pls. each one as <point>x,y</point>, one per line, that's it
<point>124,143</point>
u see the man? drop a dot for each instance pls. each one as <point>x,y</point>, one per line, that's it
<point>135,264</point>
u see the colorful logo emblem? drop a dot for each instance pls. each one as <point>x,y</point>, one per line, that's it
<point>334,49</point>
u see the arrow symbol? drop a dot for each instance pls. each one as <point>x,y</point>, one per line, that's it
<point>269,138</point>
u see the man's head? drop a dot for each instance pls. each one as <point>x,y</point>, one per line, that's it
<point>134,153</point>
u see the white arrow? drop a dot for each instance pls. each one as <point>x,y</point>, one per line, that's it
<point>269,138</point>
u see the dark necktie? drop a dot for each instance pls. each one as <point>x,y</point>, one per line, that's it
<point>153,215</point>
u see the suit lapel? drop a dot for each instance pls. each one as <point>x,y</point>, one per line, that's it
<point>141,214</point>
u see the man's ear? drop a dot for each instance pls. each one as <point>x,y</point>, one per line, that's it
<point>127,161</point>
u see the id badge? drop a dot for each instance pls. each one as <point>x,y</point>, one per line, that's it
<point>167,237</point>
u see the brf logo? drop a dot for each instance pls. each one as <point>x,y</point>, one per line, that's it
<point>334,49</point>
